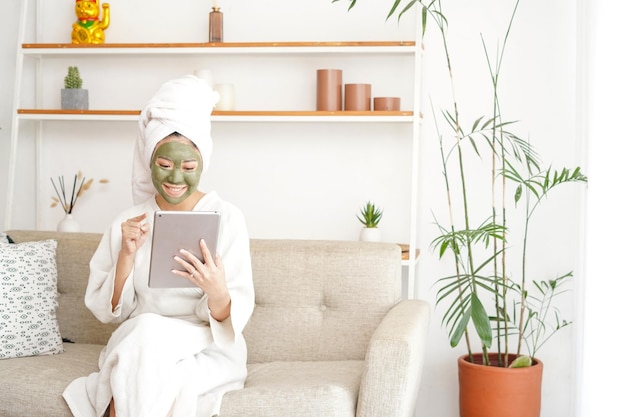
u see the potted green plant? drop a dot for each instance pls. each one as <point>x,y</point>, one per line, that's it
<point>369,217</point>
<point>501,314</point>
<point>74,96</point>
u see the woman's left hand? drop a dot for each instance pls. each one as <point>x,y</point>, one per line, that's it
<point>209,276</point>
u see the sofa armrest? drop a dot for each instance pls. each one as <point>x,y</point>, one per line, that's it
<point>394,362</point>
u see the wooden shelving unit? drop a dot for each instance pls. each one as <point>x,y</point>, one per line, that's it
<point>40,51</point>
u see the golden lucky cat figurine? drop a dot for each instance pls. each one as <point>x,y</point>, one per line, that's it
<point>89,28</point>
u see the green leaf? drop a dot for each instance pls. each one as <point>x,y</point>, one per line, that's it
<point>480,318</point>
<point>393,8</point>
<point>456,336</point>
<point>476,122</point>
<point>518,193</point>
<point>523,361</point>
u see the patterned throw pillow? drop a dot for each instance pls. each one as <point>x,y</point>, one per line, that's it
<point>28,300</point>
<point>4,238</point>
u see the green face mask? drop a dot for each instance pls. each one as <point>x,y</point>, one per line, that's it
<point>176,170</point>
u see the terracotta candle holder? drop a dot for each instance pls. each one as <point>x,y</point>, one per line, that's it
<point>358,97</point>
<point>329,95</point>
<point>386,103</point>
<point>216,25</point>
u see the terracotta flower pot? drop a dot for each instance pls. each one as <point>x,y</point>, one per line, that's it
<point>492,391</point>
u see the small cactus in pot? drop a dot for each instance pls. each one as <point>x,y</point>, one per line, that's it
<point>73,96</point>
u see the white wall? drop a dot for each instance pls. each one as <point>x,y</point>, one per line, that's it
<point>256,164</point>
<point>603,291</point>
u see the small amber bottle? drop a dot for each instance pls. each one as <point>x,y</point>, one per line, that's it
<point>216,25</point>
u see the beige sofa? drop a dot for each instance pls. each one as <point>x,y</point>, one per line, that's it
<point>329,336</point>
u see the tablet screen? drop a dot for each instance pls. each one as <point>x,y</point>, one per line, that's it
<point>175,230</point>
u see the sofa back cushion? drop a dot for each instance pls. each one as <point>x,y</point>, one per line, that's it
<point>319,300</point>
<point>315,300</point>
<point>74,251</point>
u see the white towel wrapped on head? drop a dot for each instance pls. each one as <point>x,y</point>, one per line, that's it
<point>183,105</point>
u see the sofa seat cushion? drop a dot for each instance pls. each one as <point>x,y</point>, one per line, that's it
<point>297,389</point>
<point>35,384</point>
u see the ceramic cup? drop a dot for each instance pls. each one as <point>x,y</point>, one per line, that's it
<point>386,103</point>
<point>358,97</point>
<point>329,95</point>
<point>227,97</point>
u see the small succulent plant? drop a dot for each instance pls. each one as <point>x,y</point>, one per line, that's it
<point>72,79</point>
<point>370,215</point>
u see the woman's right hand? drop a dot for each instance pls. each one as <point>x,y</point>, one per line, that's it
<point>134,234</point>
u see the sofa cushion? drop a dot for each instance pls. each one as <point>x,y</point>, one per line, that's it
<point>36,382</point>
<point>74,251</point>
<point>28,300</point>
<point>319,300</point>
<point>304,389</point>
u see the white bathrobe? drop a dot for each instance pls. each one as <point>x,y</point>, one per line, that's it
<point>168,354</point>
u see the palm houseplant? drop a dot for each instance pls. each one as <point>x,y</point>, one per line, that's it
<point>490,303</point>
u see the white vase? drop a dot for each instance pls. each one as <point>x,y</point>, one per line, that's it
<point>370,234</point>
<point>68,224</point>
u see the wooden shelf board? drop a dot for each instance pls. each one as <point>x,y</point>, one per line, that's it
<point>79,112</point>
<point>227,48</point>
<point>218,45</point>
<point>405,251</point>
<point>258,113</point>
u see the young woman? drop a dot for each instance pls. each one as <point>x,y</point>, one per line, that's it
<point>174,348</point>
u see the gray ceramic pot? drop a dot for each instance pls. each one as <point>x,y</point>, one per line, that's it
<point>74,99</point>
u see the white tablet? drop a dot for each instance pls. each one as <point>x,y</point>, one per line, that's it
<point>175,230</point>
